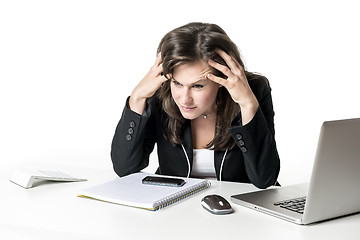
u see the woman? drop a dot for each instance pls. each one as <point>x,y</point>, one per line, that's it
<point>208,116</point>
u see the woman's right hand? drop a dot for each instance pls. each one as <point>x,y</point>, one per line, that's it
<point>147,86</point>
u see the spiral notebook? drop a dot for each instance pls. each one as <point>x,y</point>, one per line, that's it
<point>130,191</point>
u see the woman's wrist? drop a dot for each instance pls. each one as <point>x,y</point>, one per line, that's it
<point>137,104</point>
<point>248,111</point>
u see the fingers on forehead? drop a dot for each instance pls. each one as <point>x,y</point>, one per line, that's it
<point>217,65</point>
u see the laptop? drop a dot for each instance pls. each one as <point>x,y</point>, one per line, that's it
<point>333,190</point>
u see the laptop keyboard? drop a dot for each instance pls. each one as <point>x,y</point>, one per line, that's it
<point>295,205</point>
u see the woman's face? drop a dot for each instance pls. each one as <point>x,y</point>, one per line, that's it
<point>192,91</point>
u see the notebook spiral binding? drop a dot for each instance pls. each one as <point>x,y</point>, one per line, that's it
<point>181,195</point>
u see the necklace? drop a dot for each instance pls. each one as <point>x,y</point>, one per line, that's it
<point>205,116</point>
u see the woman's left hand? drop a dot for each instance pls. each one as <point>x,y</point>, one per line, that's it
<point>236,84</point>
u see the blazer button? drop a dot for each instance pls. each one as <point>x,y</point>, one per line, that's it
<point>241,143</point>
<point>243,149</point>
<point>128,137</point>
<point>238,136</point>
<point>132,124</point>
<point>130,131</point>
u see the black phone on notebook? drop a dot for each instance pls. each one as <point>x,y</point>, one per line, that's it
<point>163,181</point>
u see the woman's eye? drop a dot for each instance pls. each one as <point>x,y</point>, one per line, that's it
<point>176,83</point>
<point>198,86</point>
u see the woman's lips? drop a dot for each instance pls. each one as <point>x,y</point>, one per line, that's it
<point>187,108</point>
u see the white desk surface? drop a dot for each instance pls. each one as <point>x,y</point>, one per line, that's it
<point>53,211</point>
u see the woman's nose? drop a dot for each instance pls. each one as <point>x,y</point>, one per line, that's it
<point>186,96</point>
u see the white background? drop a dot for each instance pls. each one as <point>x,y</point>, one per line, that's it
<point>66,68</point>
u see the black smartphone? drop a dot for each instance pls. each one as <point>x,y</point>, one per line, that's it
<point>163,181</point>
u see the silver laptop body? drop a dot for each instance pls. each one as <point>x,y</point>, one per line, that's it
<point>334,188</point>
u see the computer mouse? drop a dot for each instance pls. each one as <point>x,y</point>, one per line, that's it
<point>216,204</point>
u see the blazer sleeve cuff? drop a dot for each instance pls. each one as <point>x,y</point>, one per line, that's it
<point>131,122</point>
<point>247,135</point>
<point>146,113</point>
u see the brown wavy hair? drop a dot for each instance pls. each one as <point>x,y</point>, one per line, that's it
<point>191,43</point>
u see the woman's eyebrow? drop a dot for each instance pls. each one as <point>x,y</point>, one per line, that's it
<point>194,83</point>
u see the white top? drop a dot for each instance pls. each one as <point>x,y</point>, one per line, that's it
<point>203,164</point>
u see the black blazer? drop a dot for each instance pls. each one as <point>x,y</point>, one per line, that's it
<point>254,160</point>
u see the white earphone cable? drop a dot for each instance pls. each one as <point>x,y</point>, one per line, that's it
<point>222,164</point>
<point>188,161</point>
